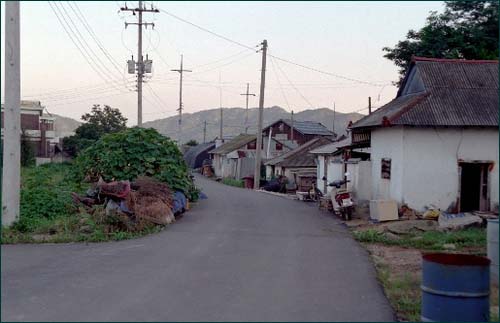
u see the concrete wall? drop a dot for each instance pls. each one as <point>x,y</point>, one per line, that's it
<point>360,179</point>
<point>431,174</point>
<point>387,143</point>
<point>424,164</point>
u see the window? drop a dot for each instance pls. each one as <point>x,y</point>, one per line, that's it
<point>386,168</point>
<point>279,146</point>
<point>251,145</point>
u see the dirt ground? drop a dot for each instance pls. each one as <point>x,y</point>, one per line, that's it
<point>400,272</point>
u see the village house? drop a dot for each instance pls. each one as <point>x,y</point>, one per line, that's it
<point>38,129</point>
<point>236,158</point>
<point>303,131</point>
<point>196,155</point>
<point>336,159</point>
<point>436,143</point>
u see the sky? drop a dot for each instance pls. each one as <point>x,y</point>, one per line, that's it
<point>342,39</point>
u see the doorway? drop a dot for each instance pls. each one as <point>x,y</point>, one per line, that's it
<point>474,190</point>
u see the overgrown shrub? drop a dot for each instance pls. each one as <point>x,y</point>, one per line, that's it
<point>136,152</point>
<point>45,195</point>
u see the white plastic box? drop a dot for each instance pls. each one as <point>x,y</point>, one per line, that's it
<point>383,210</point>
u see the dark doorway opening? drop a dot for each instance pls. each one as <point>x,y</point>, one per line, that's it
<point>474,187</point>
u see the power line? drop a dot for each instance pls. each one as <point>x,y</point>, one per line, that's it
<point>55,9</point>
<point>276,57</point>
<point>290,82</point>
<point>85,45</point>
<point>281,88</point>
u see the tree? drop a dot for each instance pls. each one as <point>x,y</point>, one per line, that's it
<point>99,121</point>
<point>192,142</point>
<point>465,30</point>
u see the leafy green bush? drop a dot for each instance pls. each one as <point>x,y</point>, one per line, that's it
<point>136,152</point>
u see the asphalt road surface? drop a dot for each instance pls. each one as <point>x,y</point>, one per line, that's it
<point>239,255</point>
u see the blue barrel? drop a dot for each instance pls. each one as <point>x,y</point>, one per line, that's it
<point>455,288</point>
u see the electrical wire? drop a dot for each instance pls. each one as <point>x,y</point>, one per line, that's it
<point>279,83</point>
<point>295,88</point>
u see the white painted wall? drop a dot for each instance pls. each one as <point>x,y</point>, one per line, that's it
<point>387,143</point>
<point>431,157</point>
<point>424,168</point>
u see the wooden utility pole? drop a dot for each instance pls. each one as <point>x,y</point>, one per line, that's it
<point>11,176</point>
<point>181,71</point>
<point>205,131</point>
<point>291,134</point>
<point>221,112</point>
<point>333,123</point>
<point>258,147</point>
<point>369,105</point>
<point>140,62</point>
<point>247,94</point>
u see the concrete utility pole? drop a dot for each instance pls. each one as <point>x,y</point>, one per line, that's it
<point>140,62</point>
<point>11,177</point>
<point>258,147</point>
<point>205,131</point>
<point>181,71</point>
<point>247,94</point>
<point>369,105</point>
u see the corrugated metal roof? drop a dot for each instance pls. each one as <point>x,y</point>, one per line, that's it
<point>457,93</point>
<point>300,156</point>
<point>306,127</point>
<point>234,144</point>
<point>331,148</point>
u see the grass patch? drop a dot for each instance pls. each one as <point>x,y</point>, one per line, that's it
<point>474,238</point>
<point>47,212</point>
<point>403,292</point>
<point>233,182</point>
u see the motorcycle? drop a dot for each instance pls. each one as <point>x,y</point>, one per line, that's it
<point>341,199</point>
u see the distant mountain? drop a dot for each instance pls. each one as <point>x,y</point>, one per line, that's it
<point>65,126</point>
<point>234,118</point>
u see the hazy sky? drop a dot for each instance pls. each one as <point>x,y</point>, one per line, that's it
<point>343,38</point>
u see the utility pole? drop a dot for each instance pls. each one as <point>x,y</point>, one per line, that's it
<point>221,112</point>
<point>140,62</point>
<point>181,72</point>
<point>247,94</point>
<point>291,135</point>
<point>258,147</point>
<point>369,105</point>
<point>11,177</point>
<point>205,131</point>
<point>333,124</point>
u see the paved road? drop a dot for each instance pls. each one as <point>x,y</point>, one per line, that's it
<point>238,256</point>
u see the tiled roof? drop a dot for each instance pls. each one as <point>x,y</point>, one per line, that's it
<point>456,93</point>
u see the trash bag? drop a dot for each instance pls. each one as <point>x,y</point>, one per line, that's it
<point>179,203</point>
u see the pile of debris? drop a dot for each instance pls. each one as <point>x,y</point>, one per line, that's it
<point>131,206</point>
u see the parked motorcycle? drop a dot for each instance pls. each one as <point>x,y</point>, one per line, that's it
<point>341,199</point>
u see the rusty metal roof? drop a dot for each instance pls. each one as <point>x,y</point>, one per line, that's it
<point>457,93</point>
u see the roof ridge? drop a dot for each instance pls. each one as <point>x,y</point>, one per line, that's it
<point>409,107</point>
<point>452,60</point>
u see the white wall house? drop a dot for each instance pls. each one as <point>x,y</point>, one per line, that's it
<point>333,163</point>
<point>437,142</point>
<point>236,158</point>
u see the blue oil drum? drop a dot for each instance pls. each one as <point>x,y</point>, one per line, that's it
<point>455,288</point>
